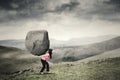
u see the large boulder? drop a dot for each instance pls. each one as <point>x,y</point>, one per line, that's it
<point>37,42</point>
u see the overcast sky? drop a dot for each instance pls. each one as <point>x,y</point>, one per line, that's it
<point>64,19</point>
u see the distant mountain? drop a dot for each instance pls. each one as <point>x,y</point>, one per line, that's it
<point>81,52</point>
<point>80,41</point>
<point>4,48</point>
<point>57,43</point>
<point>89,40</point>
<point>70,53</point>
<point>13,43</point>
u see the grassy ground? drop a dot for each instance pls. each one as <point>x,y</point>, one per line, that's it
<point>20,65</point>
<point>108,69</point>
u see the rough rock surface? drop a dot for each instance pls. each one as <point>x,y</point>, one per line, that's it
<point>37,42</point>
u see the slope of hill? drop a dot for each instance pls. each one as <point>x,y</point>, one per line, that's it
<point>16,64</point>
<point>108,69</point>
<point>15,60</point>
<point>109,54</point>
<point>82,52</point>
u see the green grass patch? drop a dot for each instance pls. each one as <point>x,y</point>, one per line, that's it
<point>108,69</point>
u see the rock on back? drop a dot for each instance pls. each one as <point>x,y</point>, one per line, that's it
<point>37,42</point>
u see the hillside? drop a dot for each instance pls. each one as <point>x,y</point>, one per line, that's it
<point>16,64</point>
<point>15,60</point>
<point>82,52</point>
<point>109,54</point>
<point>108,69</point>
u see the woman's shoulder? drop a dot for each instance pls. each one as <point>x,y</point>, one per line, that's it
<point>47,53</point>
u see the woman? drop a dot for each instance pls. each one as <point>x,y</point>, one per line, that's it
<point>44,61</point>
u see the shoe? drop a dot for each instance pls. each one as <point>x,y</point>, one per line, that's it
<point>41,73</point>
<point>47,72</point>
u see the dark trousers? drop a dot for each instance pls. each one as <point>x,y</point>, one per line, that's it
<point>45,65</point>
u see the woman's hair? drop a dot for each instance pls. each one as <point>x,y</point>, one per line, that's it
<point>50,52</point>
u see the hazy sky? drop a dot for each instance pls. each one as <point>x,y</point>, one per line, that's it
<point>64,19</point>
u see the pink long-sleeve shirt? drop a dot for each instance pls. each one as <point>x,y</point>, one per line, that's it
<point>45,57</point>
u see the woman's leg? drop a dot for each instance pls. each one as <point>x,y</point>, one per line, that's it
<point>47,66</point>
<point>43,64</point>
